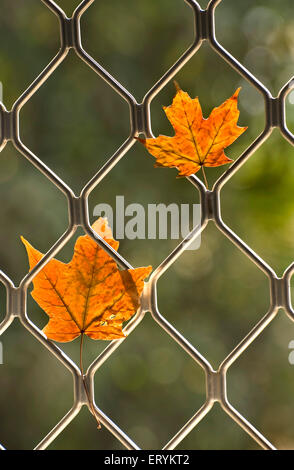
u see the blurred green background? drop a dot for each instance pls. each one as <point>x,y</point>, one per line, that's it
<point>74,123</point>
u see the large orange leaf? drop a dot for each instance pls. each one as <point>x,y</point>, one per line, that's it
<point>197,141</point>
<point>89,295</point>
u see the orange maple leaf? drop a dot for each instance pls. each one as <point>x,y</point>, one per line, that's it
<point>89,295</point>
<point>197,141</point>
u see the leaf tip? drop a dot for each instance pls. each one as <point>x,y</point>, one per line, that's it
<point>102,228</point>
<point>242,129</point>
<point>236,94</point>
<point>25,242</point>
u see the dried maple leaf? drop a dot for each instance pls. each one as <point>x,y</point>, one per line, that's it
<point>89,295</point>
<point>197,141</point>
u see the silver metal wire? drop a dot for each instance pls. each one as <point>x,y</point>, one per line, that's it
<point>140,123</point>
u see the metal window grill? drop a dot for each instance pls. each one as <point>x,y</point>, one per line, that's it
<point>140,123</point>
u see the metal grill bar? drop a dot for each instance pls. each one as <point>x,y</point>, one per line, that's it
<point>140,123</point>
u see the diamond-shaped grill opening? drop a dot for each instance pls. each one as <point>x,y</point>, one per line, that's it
<point>31,201</point>
<point>217,431</point>
<point>36,390</point>
<point>147,381</point>
<point>129,33</point>
<point>213,295</point>
<point>28,43</point>
<point>263,37</point>
<point>256,203</point>
<point>260,382</point>
<point>82,434</point>
<point>75,147</point>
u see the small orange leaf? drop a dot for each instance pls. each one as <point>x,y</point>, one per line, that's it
<point>197,141</point>
<point>88,295</point>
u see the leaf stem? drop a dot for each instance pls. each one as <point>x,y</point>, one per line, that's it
<point>81,355</point>
<point>204,176</point>
<point>85,384</point>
